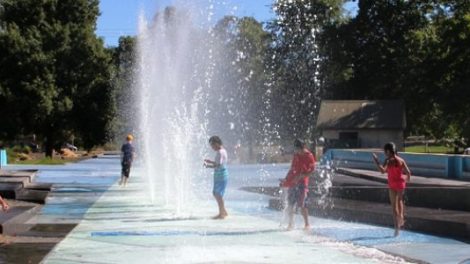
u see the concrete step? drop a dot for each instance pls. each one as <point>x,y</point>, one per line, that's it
<point>448,223</point>
<point>15,191</point>
<point>15,220</point>
<point>448,198</point>
<point>20,185</point>
<point>58,230</point>
<point>13,179</point>
<point>9,190</point>
<point>30,174</point>
<point>416,181</point>
<point>421,192</point>
<point>39,186</point>
<point>31,195</point>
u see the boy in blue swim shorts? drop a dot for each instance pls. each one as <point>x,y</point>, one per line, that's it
<point>220,174</point>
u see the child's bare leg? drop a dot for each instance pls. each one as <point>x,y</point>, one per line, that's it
<point>4,204</point>
<point>305,215</point>
<point>125,180</point>
<point>223,211</point>
<point>220,203</point>
<point>285,207</point>
<point>392,195</point>
<point>291,211</point>
<point>401,209</point>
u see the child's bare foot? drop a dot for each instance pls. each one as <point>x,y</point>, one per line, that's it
<point>216,217</point>
<point>220,216</point>
<point>402,223</point>
<point>307,228</point>
<point>290,227</point>
<point>397,233</point>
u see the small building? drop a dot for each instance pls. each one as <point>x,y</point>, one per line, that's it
<point>361,123</point>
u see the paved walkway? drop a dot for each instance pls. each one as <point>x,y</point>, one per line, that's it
<point>122,227</point>
<point>116,230</point>
<point>76,187</point>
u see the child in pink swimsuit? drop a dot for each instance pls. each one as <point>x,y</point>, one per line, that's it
<point>394,167</point>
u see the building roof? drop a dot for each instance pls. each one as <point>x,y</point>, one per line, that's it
<point>361,114</point>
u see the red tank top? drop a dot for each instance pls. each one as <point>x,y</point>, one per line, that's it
<point>301,163</point>
<point>395,175</point>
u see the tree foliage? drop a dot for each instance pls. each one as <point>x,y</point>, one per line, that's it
<point>54,72</point>
<point>296,58</point>
<point>123,64</point>
<point>241,47</point>
<point>416,51</point>
<point>58,80</point>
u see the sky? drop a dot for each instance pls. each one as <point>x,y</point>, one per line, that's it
<point>119,17</point>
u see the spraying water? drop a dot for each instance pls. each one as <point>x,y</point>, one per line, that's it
<point>194,78</point>
<point>174,71</point>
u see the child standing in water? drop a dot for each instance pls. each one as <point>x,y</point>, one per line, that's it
<point>296,181</point>
<point>220,174</point>
<point>394,167</point>
<point>127,157</point>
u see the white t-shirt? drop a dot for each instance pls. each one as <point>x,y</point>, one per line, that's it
<point>221,158</point>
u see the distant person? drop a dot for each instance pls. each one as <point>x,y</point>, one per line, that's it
<point>127,157</point>
<point>4,204</point>
<point>220,174</point>
<point>296,182</point>
<point>466,151</point>
<point>394,167</point>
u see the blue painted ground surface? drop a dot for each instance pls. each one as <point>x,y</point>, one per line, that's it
<point>119,225</point>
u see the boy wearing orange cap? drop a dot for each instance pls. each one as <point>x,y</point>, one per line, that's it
<point>127,157</point>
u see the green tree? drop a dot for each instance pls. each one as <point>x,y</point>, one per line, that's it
<point>297,57</point>
<point>124,76</point>
<point>242,44</point>
<point>453,63</point>
<point>385,63</point>
<point>410,50</point>
<point>54,72</point>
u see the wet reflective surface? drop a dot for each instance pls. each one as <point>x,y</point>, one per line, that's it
<point>120,225</point>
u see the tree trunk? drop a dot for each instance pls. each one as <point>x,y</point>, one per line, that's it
<point>49,147</point>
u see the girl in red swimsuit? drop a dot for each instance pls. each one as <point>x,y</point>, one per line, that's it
<point>394,167</point>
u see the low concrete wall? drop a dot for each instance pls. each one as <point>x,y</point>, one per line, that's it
<point>433,165</point>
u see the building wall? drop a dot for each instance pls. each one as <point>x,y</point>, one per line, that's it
<point>371,138</point>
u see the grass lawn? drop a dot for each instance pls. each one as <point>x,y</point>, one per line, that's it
<point>38,159</point>
<point>43,161</point>
<point>431,149</point>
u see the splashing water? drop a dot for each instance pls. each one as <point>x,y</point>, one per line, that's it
<point>174,69</point>
<point>184,91</point>
<point>323,183</point>
<point>320,194</point>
